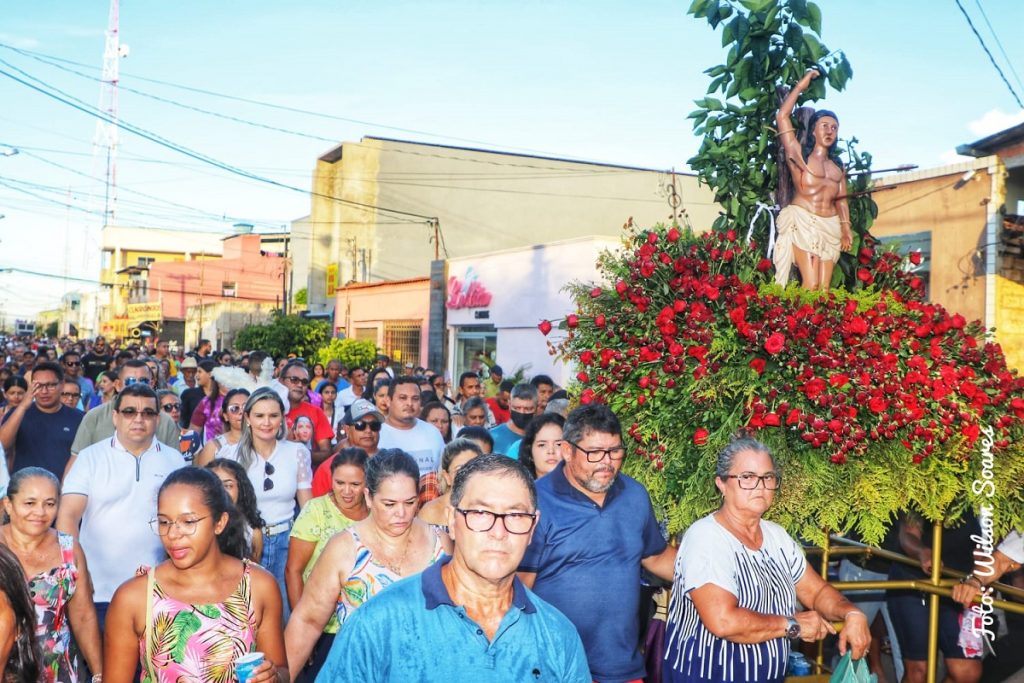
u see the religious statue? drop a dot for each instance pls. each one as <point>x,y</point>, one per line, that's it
<point>814,228</point>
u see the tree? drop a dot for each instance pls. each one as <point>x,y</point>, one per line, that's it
<point>301,297</point>
<point>353,353</point>
<point>285,335</point>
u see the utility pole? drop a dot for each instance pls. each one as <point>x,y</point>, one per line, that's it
<point>106,131</point>
<point>202,283</point>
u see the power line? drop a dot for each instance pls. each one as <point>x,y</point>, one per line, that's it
<point>999,43</point>
<point>75,103</point>
<point>990,57</point>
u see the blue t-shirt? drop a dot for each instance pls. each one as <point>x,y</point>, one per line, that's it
<point>412,631</point>
<point>586,555</point>
<point>506,441</point>
<point>44,439</point>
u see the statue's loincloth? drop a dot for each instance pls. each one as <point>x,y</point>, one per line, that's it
<point>798,227</point>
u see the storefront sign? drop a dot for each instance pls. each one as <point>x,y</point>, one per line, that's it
<point>143,313</point>
<point>332,278</point>
<point>468,292</point>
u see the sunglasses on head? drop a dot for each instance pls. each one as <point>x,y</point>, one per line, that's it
<point>361,426</point>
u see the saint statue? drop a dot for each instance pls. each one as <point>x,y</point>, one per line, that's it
<point>814,228</point>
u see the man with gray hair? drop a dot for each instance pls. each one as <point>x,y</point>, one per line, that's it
<point>466,618</point>
<point>596,530</point>
<point>522,407</point>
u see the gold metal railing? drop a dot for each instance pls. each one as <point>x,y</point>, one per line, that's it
<point>936,586</point>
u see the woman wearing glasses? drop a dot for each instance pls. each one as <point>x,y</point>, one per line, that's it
<point>740,581</point>
<point>189,443</point>
<point>224,445</point>
<point>367,557</point>
<point>56,575</point>
<point>280,471</point>
<point>191,616</point>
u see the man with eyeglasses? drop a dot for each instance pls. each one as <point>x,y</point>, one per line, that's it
<point>39,432</point>
<point>597,529</point>
<point>71,361</point>
<point>466,618</point>
<point>110,490</point>
<point>362,430</point>
<point>295,378</point>
<point>98,424</point>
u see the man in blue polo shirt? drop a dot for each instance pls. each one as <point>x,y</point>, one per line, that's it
<point>467,618</point>
<point>596,530</point>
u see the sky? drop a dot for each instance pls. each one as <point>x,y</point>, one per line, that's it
<point>588,79</point>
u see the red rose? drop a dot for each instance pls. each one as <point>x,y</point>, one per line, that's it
<point>915,258</point>
<point>595,292</point>
<point>583,377</point>
<point>544,326</point>
<point>599,320</point>
<point>775,343</point>
<point>764,265</point>
<point>772,419</point>
<point>587,396</point>
<point>572,320</point>
<point>700,437</point>
<point>587,357</point>
<point>673,235</point>
<point>758,365</point>
<point>877,404</point>
<point>958,321</point>
<point>620,287</point>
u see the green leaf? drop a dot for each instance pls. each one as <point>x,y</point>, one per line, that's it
<point>757,5</point>
<point>698,7</point>
<point>814,48</point>
<point>185,624</point>
<point>748,94</point>
<point>208,611</point>
<point>729,32</point>
<point>814,17</point>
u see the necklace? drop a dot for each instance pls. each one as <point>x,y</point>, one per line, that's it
<point>394,567</point>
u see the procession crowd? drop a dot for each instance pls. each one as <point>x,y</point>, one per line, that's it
<point>166,516</point>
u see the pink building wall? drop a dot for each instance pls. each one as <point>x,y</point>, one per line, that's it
<point>257,278</point>
<point>363,306</point>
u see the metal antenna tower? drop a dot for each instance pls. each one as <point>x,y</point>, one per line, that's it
<point>106,132</point>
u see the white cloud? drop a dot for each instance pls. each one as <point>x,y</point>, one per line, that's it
<point>22,42</point>
<point>950,157</point>
<point>994,121</point>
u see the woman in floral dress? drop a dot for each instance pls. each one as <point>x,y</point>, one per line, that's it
<point>58,580</point>
<point>193,615</point>
<point>368,556</point>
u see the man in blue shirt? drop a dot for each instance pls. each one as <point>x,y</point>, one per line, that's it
<point>41,429</point>
<point>597,528</point>
<point>522,408</point>
<point>467,618</point>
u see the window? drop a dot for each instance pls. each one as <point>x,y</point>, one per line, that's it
<point>911,242</point>
<point>145,261</point>
<point>229,289</point>
<point>402,340</point>
<point>366,334</point>
<point>475,347</point>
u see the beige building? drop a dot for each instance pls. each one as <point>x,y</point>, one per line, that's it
<point>482,201</point>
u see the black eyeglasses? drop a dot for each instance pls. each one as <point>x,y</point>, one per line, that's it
<point>268,471</point>
<point>69,394</point>
<point>73,363</point>
<point>483,520</point>
<point>361,426</point>
<point>749,480</point>
<point>146,413</point>
<point>599,454</point>
<point>171,407</point>
<point>301,381</point>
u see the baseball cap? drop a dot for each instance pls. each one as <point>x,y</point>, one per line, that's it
<point>360,409</point>
<point>189,362</point>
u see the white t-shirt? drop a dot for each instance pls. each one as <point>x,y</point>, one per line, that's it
<point>346,397</point>
<point>1013,547</point>
<point>5,476</point>
<point>423,442</point>
<point>121,489</point>
<point>292,470</point>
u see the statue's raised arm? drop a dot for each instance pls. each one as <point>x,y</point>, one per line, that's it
<point>815,227</point>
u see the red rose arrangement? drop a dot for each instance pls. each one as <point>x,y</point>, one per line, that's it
<point>873,400</point>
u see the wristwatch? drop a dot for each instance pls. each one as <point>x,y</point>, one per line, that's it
<point>792,628</point>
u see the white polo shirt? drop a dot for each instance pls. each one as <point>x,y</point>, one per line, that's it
<point>121,490</point>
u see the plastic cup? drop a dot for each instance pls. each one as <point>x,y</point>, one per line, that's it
<point>245,664</point>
